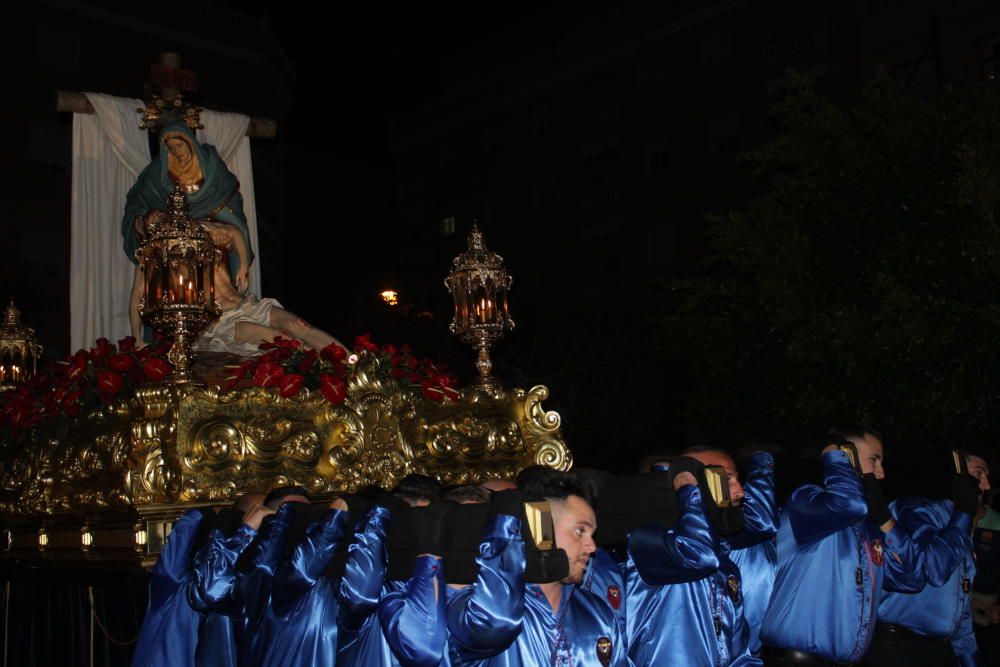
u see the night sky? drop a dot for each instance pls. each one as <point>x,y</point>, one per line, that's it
<point>381,63</point>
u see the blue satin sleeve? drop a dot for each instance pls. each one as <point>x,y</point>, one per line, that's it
<point>684,553</point>
<point>214,584</point>
<point>255,582</point>
<point>364,574</point>
<point>413,620</point>
<point>485,618</point>
<point>943,550</point>
<point>816,512</point>
<point>903,570</point>
<point>174,564</point>
<point>963,643</point>
<point>760,508</point>
<point>310,557</point>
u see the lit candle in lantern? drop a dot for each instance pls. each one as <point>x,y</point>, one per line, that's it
<point>190,292</point>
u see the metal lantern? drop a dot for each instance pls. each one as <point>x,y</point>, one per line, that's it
<point>19,350</point>
<point>178,264</point>
<point>479,285</point>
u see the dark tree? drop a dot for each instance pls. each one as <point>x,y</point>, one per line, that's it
<point>863,282</point>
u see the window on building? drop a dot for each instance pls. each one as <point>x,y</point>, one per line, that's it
<point>657,161</point>
<point>448,225</point>
<point>988,55</point>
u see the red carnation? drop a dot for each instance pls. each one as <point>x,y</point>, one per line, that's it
<point>412,362</point>
<point>290,384</point>
<point>127,344</point>
<point>389,349</point>
<point>364,343</point>
<point>333,388</point>
<point>109,382</point>
<point>121,362</point>
<point>155,369</point>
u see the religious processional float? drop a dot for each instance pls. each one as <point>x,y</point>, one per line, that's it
<point>102,451</point>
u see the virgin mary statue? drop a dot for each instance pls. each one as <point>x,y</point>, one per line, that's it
<point>213,193</point>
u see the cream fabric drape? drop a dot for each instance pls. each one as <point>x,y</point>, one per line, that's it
<point>109,152</point>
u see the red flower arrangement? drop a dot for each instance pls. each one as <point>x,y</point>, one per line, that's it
<point>287,366</point>
<point>81,382</point>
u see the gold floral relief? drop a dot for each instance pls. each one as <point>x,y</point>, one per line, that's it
<point>175,446</point>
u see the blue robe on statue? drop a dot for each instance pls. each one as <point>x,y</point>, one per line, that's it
<point>218,197</point>
<point>300,629</point>
<point>169,634</point>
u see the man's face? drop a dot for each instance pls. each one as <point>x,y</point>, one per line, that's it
<point>723,460</point>
<point>979,469</point>
<point>179,149</point>
<point>574,523</point>
<point>870,452</point>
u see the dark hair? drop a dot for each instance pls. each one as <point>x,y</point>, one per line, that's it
<point>594,479</point>
<point>413,488</point>
<point>529,474</point>
<point>647,461</point>
<point>554,485</point>
<point>850,429</point>
<point>468,494</point>
<point>980,450</point>
<point>704,449</point>
<point>283,492</point>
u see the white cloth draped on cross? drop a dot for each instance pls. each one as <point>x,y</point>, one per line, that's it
<point>109,152</point>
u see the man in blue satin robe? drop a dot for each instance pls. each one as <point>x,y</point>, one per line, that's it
<point>169,634</point>
<point>232,576</point>
<point>934,627</point>
<point>754,551</point>
<point>213,578</point>
<point>684,594</point>
<point>838,546</point>
<point>300,628</point>
<point>363,584</point>
<point>562,623</point>
<point>421,622</point>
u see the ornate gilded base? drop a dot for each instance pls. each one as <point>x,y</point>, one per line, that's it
<point>112,485</point>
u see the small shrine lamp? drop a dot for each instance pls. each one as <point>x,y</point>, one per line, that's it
<point>19,350</point>
<point>479,285</point>
<point>178,264</point>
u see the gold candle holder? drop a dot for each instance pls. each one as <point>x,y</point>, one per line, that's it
<point>178,264</point>
<point>479,285</point>
<point>19,350</point>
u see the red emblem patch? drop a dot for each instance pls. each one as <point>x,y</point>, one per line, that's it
<point>878,556</point>
<point>614,597</point>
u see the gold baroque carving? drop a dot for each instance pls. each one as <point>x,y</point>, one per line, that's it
<point>175,445</point>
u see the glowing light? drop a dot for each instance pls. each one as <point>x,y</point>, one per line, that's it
<point>390,296</point>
